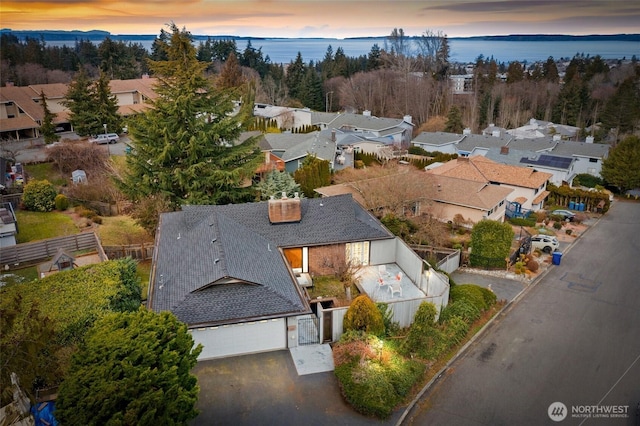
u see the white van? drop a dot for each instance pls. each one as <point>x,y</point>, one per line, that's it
<point>105,138</point>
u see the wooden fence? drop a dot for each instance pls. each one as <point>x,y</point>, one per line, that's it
<point>42,250</point>
<point>135,251</point>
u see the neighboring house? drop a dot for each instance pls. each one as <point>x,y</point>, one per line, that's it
<point>286,118</point>
<point>293,148</point>
<point>391,131</point>
<point>235,273</point>
<point>21,114</point>
<point>528,185</point>
<point>542,129</point>
<point>421,193</point>
<point>588,155</point>
<point>560,167</point>
<point>438,142</point>
<point>8,225</point>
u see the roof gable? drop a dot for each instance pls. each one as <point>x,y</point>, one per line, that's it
<point>224,263</point>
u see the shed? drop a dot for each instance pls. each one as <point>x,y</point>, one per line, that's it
<point>79,176</point>
<point>63,261</point>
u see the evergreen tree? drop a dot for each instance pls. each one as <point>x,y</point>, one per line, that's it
<point>622,167</point>
<point>571,106</point>
<point>311,90</point>
<point>550,71</point>
<point>314,173</point>
<point>80,102</point>
<point>185,147</point>
<point>295,75</point>
<point>275,183</point>
<point>327,64</point>
<point>48,128</point>
<point>117,61</point>
<point>132,368</point>
<point>515,72</point>
<point>106,106</point>
<point>622,111</point>
<point>454,121</point>
<point>158,52</point>
<point>374,58</point>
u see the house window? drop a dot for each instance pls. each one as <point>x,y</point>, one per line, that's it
<point>358,253</point>
<point>593,160</point>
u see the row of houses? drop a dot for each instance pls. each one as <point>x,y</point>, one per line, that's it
<point>237,274</point>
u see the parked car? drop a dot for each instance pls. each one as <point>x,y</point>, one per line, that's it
<point>546,243</point>
<point>105,138</point>
<point>565,214</point>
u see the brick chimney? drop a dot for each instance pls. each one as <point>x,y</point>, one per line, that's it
<point>285,210</point>
<point>504,150</point>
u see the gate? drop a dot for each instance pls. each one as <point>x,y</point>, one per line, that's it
<point>308,330</point>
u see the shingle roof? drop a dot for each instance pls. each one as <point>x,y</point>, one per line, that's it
<point>365,122</point>
<point>297,145</point>
<point>472,141</point>
<point>437,138</point>
<point>596,150</point>
<point>222,264</point>
<point>446,189</point>
<point>482,169</point>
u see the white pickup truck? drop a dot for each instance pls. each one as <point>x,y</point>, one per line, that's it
<point>105,138</point>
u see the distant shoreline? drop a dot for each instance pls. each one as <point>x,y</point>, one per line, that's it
<point>100,35</point>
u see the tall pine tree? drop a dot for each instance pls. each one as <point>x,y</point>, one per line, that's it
<point>48,128</point>
<point>185,147</point>
<point>80,101</point>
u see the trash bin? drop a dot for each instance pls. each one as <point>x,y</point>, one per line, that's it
<point>556,257</point>
<point>572,205</point>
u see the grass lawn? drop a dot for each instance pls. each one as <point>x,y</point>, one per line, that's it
<point>330,286</point>
<point>46,171</point>
<point>144,271</point>
<point>35,226</point>
<point>23,275</point>
<point>122,230</point>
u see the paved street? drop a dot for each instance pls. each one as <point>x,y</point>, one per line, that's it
<point>573,338</point>
<point>35,151</point>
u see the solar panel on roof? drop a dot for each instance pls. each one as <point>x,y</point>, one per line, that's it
<point>549,161</point>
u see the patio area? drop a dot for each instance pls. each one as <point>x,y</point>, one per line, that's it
<point>390,289</point>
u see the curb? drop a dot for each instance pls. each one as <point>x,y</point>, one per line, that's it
<point>482,331</point>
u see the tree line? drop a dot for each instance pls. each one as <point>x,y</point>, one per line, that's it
<point>405,76</point>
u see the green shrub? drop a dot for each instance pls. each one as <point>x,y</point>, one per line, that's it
<point>464,309</point>
<point>39,196</point>
<point>471,293</point>
<point>423,336</point>
<point>390,327</point>
<point>568,231</point>
<point>490,243</point>
<point>557,225</point>
<point>373,378</point>
<point>520,221</point>
<point>61,202</point>
<point>363,315</point>
<point>456,330</point>
<point>366,389</point>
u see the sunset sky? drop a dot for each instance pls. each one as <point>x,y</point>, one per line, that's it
<point>329,18</point>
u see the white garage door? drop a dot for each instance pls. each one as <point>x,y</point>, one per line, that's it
<point>238,339</point>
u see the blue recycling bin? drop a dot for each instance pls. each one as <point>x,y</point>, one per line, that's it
<point>581,207</point>
<point>572,205</point>
<point>556,257</point>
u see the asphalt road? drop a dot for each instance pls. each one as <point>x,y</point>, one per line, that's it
<point>574,338</point>
<point>35,151</point>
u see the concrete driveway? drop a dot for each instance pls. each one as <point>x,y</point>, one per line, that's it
<point>265,389</point>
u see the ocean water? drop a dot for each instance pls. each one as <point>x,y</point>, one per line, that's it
<point>461,50</point>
